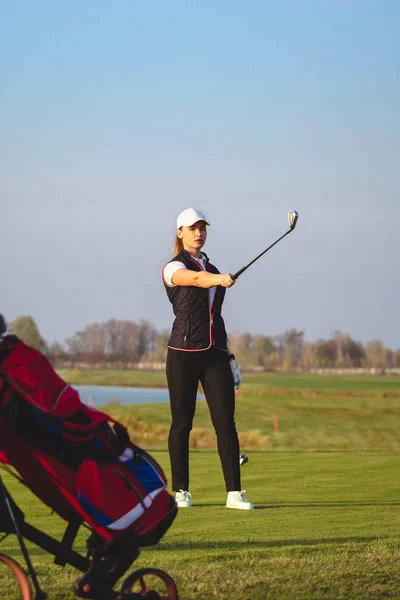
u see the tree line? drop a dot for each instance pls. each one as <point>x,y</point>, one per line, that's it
<point>124,343</point>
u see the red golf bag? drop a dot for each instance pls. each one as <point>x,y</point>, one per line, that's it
<point>78,460</point>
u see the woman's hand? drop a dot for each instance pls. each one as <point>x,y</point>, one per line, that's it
<point>236,374</point>
<point>227,281</point>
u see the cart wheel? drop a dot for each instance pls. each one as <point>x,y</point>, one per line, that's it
<point>18,573</point>
<point>150,583</point>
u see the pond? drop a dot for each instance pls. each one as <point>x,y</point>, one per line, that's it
<point>100,395</point>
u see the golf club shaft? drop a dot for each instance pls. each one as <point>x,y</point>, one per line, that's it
<point>243,269</point>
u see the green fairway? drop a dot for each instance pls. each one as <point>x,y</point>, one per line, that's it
<point>253,381</point>
<point>117,377</point>
<point>312,412</point>
<point>326,487</point>
<point>327,525</point>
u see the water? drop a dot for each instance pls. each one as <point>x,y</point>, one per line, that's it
<point>102,395</point>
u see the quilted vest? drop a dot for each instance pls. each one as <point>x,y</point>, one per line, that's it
<point>197,325</point>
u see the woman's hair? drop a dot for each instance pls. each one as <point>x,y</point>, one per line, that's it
<point>178,246</point>
<point>3,325</point>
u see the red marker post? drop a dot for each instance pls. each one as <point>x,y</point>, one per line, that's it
<point>276,425</point>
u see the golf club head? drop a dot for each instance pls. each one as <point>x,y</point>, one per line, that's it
<point>292,218</point>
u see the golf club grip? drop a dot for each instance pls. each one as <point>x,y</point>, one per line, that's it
<point>236,275</point>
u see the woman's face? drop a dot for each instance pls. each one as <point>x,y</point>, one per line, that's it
<point>193,237</point>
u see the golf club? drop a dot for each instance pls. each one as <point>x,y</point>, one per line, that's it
<point>292,218</point>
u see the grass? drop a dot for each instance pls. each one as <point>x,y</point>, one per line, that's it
<point>314,424</point>
<point>325,526</point>
<point>326,489</point>
<point>314,413</point>
<point>114,377</point>
<point>253,381</point>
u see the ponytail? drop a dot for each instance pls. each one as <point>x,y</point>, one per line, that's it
<point>178,246</point>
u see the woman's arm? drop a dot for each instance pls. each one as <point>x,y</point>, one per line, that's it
<point>202,279</point>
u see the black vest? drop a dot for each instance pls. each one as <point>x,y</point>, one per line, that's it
<point>197,325</point>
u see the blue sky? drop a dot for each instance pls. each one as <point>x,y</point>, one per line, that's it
<point>115,116</point>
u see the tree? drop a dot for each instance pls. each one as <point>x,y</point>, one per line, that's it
<point>160,352</point>
<point>396,358</point>
<point>325,353</point>
<point>26,329</point>
<point>100,340</point>
<point>161,346</point>
<point>113,340</point>
<point>56,352</point>
<point>147,338</point>
<point>293,341</point>
<point>349,353</point>
<point>376,354</point>
<point>75,344</point>
<point>261,347</point>
<point>309,355</point>
<point>239,344</point>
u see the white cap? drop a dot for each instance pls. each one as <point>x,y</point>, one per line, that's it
<point>189,217</point>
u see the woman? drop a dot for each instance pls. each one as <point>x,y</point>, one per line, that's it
<point>197,351</point>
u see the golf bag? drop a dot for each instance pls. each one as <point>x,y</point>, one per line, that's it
<point>80,462</point>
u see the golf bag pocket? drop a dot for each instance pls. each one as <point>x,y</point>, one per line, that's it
<point>125,492</point>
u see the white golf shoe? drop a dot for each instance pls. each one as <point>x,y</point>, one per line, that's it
<point>183,499</point>
<point>238,500</point>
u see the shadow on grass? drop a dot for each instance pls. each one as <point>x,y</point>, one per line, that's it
<point>338,503</point>
<point>316,504</point>
<point>267,544</point>
<point>15,552</point>
<point>223,545</point>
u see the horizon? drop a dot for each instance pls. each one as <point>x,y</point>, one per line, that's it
<point>231,332</point>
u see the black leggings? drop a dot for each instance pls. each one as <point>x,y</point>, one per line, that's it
<point>184,371</point>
